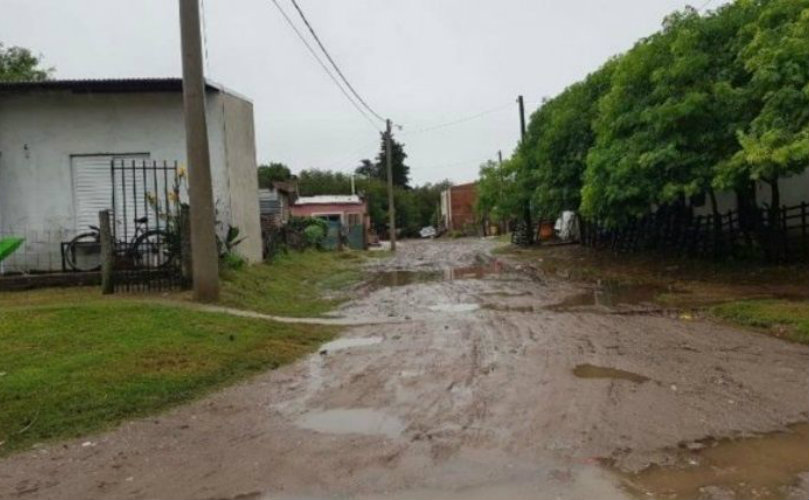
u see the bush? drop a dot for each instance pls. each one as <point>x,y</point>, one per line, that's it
<point>314,235</point>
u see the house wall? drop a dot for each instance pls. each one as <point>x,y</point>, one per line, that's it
<point>344,209</point>
<point>36,192</point>
<point>240,152</point>
<point>462,200</point>
<point>794,190</point>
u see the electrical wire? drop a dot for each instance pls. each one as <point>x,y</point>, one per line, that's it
<point>323,65</point>
<point>459,120</point>
<point>705,6</point>
<point>334,64</point>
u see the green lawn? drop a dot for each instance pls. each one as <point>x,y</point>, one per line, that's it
<point>788,319</point>
<point>296,284</point>
<point>73,369</point>
<point>74,361</point>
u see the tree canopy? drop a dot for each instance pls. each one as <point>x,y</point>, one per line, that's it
<point>713,101</point>
<point>18,64</point>
<point>273,172</point>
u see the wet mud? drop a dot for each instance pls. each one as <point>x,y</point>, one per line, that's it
<point>476,388</point>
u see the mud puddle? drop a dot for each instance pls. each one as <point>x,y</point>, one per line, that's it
<point>592,371</point>
<point>758,468</point>
<point>613,295</point>
<point>398,278</point>
<point>352,421</point>
<point>348,343</point>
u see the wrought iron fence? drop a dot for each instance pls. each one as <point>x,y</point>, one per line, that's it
<point>147,225</point>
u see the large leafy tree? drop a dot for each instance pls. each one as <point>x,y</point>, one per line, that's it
<point>273,172</point>
<point>18,64</point>
<point>401,172</point>
<point>560,135</point>
<point>622,180</point>
<point>777,142</point>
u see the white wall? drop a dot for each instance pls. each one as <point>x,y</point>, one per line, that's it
<point>794,191</point>
<point>36,195</point>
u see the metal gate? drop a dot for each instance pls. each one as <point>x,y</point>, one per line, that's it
<point>147,225</point>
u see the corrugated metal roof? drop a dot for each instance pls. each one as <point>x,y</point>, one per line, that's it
<point>105,85</point>
<point>329,199</point>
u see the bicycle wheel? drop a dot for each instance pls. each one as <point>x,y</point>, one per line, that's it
<point>83,253</point>
<point>153,249</point>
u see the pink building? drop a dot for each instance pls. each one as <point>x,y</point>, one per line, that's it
<point>350,210</point>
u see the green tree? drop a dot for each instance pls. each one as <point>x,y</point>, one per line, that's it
<point>273,172</point>
<point>401,172</point>
<point>18,64</point>
<point>315,182</point>
<point>369,169</point>
<point>777,142</point>
<point>559,137</point>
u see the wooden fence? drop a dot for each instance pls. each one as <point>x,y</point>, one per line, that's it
<point>780,235</point>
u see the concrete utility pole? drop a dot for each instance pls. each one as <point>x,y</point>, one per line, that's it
<point>391,206</point>
<point>205,258</point>
<point>527,208</point>
<point>500,157</point>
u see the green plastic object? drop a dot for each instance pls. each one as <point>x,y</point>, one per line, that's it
<point>8,246</point>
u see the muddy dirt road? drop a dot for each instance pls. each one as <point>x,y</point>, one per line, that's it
<point>482,386</point>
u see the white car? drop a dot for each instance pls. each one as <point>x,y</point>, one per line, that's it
<point>428,232</point>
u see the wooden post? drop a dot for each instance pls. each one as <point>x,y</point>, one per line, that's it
<point>107,252</point>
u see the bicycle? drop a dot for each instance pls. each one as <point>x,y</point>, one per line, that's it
<point>148,249</point>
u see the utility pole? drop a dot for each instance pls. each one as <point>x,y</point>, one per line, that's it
<point>204,258</point>
<point>522,117</point>
<point>391,207</point>
<point>500,157</point>
<point>527,208</point>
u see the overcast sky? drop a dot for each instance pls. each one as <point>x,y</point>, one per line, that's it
<point>421,62</point>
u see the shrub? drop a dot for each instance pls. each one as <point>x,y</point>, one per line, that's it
<point>314,235</point>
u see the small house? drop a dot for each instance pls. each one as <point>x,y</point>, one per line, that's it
<point>275,204</point>
<point>59,139</point>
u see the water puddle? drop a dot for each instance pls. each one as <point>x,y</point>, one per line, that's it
<point>757,468</point>
<point>455,308</point>
<point>408,277</point>
<point>592,371</point>
<point>352,421</point>
<point>509,308</point>
<point>348,343</point>
<point>612,295</point>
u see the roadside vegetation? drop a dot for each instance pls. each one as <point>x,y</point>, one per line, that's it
<point>715,101</point>
<point>301,284</point>
<point>76,368</point>
<point>785,319</point>
<point>75,362</point>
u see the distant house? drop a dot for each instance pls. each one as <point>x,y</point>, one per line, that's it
<point>275,204</point>
<point>458,207</point>
<point>347,215</point>
<point>350,210</point>
<point>59,138</point>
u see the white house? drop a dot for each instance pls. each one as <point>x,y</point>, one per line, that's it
<point>58,138</point>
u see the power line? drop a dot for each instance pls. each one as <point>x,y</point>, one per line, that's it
<point>323,65</point>
<point>334,64</point>
<point>459,120</point>
<point>705,6</point>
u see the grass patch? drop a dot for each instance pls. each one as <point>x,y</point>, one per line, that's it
<point>787,319</point>
<point>69,370</point>
<point>294,284</point>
